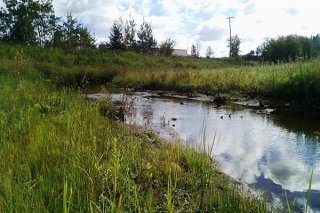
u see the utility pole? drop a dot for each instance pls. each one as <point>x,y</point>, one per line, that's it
<point>188,42</point>
<point>230,17</point>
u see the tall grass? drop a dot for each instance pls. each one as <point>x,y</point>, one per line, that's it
<point>296,81</point>
<point>59,154</point>
<point>309,191</point>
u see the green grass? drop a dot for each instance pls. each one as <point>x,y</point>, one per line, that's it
<point>59,154</point>
<point>297,82</point>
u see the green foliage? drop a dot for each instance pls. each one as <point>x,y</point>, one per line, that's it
<point>316,43</point>
<point>27,21</point>
<point>289,48</point>
<point>116,35</point>
<point>34,23</point>
<point>166,47</point>
<point>297,81</point>
<point>146,43</point>
<point>72,35</point>
<point>130,34</point>
<point>234,46</point>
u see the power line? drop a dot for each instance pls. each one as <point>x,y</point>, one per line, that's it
<point>230,17</point>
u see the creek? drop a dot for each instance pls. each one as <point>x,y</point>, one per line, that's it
<point>274,154</point>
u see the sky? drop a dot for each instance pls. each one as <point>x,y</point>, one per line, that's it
<point>201,21</point>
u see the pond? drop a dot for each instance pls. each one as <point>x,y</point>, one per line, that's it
<point>274,154</point>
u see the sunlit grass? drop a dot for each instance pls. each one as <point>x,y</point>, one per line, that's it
<point>296,81</point>
<point>58,154</point>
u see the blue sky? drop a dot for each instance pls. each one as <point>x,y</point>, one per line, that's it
<point>201,21</point>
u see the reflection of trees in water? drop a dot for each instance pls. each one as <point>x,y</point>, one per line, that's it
<point>147,114</point>
<point>257,150</point>
<point>297,200</point>
<point>298,123</point>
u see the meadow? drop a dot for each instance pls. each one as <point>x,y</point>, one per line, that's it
<point>296,82</point>
<point>62,153</point>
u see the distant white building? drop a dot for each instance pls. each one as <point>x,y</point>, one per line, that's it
<point>179,52</point>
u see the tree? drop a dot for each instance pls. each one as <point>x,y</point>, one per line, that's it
<point>287,48</point>
<point>27,21</point>
<point>45,23</point>
<point>116,35</point>
<point>250,56</point>
<point>308,48</point>
<point>194,51</point>
<point>5,22</point>
<point>316,43</point>
<point>209,52</point>
<point>166,47</point>
<point>235,46</point>
<point>146,42</point>
<point>130,34</point>
<point>71,34</point>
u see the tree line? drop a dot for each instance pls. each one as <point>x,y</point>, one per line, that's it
<point>124,35</point>
<point>286,48</point>
<point>33,22</point>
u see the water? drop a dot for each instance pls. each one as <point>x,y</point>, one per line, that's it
<point>273,154</point>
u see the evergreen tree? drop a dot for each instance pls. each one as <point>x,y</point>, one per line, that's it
<point>130,34</point>
<point>146,42</point>
<point>72,35</point>
<point>116,35</point>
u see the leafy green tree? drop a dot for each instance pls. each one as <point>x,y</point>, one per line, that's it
<point>316,43</point>
<point>209,52</point>
<point>45,23</point>
<point>5,21</point>
<point>308,48</point>
<point>287,48</point>
<point>235,46</point>
<point>116,35</point>
<point>27,21</point>
<point>293,48</point>
<point>130,34</point>
<point>166,47</point>
<point>146,42</point>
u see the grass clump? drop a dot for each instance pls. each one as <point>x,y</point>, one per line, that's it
<point>60,153</point>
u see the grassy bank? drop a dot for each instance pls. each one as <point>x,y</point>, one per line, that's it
<point>58,154</point>
<point>293,82</point>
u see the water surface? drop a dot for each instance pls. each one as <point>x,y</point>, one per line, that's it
<point>273,154</point>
